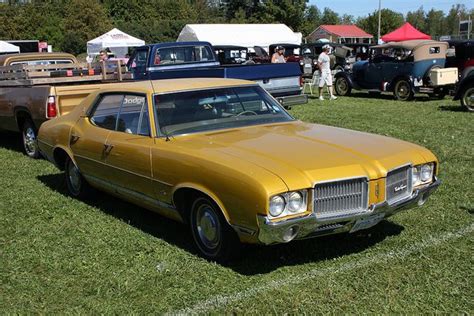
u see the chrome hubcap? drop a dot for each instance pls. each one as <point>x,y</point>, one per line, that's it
<point>29,139</point>
<point>208,226</point>
<point>74,177</point>
<point>469,98</point>
<point>342,86</point>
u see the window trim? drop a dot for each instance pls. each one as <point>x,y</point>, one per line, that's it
<point>159,133</point>
<point>101,96</point>
<point>186,62</point>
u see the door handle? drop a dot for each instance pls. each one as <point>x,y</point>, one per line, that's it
<point>74,138</point>
<point>108,148</point>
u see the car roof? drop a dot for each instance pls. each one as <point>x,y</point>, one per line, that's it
<point>174,44</point>
<point>9,58</point>
<point>173,85</point>
<point>412,44</point>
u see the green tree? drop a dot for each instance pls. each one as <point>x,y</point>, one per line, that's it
<point>329,17</point>
<point>390,20</point>
<point>417,19</point>
<point>312,18</point>
<point>435,23</point>
<point>83,20</point>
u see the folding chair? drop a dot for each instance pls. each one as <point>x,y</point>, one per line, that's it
<point>312,82</point>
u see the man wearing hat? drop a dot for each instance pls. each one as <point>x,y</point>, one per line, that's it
<point>278,57</point>
<point>325,77</point>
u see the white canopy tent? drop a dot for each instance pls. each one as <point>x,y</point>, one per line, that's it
<point>6,47</point>
<point>246,35</point>
<point>117,41</point>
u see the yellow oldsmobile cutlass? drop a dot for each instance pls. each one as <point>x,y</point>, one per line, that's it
<point>226,158</point>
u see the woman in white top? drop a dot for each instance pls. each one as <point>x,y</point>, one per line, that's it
<point>278,57</point>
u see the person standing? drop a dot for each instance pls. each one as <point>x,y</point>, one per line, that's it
<point>324,65</point>
<point>278,57</point>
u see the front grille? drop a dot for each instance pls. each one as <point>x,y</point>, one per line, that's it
<point>399,185</point>
<point>340,198</point>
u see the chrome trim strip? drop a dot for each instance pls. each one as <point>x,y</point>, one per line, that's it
<point>135,194</point>
<point>121,169</point>
<point>184,65</point>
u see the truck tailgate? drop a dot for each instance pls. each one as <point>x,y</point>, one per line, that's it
<point>68,97</point>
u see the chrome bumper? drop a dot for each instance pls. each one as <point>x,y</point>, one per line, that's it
<point>293,100</point>
<point>309,226</point>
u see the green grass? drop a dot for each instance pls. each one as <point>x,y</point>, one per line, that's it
<point>58,254</point>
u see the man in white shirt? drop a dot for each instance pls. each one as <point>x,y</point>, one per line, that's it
<point>325,77</point>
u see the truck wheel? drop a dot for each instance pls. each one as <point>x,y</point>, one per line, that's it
<point>403,91</point>
<point>213,236</point>
<point>76,184</point>
<point>342,86</point>
<point>467,98</point>
<point>30,142</point>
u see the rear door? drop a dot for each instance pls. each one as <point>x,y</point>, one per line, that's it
<point>128,148</point>
<point>89,135</point>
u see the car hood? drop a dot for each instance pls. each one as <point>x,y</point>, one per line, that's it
<point>302,154</point>
<point>359,64</point>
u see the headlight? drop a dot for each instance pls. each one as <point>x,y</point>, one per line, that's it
<point>288,203</point>
<point>426,173</point>
<point>295,201</point>
<point>277,205</point>
<point>422,174</point>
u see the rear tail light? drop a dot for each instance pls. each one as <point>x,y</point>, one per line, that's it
<point>301,81</point>
<point>51,110</point>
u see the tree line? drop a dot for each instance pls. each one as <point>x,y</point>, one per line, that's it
<point>69,24</point>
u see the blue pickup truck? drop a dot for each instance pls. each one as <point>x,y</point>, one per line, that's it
<point>198,60</point>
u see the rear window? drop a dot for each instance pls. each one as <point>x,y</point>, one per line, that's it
<point>435,50</point>
<point>42,62</point>
<point>180,55</point>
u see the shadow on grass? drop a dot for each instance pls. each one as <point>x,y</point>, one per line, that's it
<point>254,259</point>
<point>452,108</point>
<point>11,141</point>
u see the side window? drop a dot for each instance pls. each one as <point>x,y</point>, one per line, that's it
<point>106,112</point>
<point>164,56</point>
<point>139,60</point>
<point>434,50</point>
<point>133,117</point>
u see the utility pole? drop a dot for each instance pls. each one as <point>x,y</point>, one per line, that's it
<point>378,29</point>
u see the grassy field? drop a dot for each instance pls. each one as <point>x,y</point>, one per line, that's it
<point>61,255</point>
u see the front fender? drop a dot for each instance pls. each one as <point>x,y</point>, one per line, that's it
<point>462,84</point>
<point>347,76</point>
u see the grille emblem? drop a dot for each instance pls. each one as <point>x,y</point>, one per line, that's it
<point>400,188</point>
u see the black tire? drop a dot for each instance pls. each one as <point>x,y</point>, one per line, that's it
<point>29,139</point>
<point>77,186</point>
<point>213,236</point>
<point>467,98</point>
<point>342,86</point>
<point>403,90</point>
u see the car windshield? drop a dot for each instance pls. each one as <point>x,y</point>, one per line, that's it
<point>213,109</point>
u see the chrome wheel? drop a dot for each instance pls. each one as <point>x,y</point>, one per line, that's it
<point>468,98</point>
<point>73,178</point>
<point>208,226</point>
<point>29,141</point>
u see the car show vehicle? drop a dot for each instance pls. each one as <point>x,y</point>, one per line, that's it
<point>198,60</point>
<point>231,55</point>
<point>223,156</point>
<point>404,68</point>
<point>461,56</point>
<point>465,91</point>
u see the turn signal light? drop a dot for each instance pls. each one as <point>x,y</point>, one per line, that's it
<point>51,107</point>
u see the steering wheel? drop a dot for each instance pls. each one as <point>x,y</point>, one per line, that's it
<point>246,112</point>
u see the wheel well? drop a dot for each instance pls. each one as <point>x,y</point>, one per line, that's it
<point>183,199</point>
<point>21,118</point>
<point>60,156</point>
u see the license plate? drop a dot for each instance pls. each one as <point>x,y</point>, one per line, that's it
<point>367,222</point>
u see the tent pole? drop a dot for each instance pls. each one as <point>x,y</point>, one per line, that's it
<point>378,28</point>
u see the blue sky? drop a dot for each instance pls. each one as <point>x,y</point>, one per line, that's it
<point>364,7</point>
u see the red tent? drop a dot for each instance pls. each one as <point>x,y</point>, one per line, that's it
<point>404,33</point>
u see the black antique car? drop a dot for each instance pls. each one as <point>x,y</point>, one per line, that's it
<point>461,55</point>
<point>465,90</point>
<point>404,68</point>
